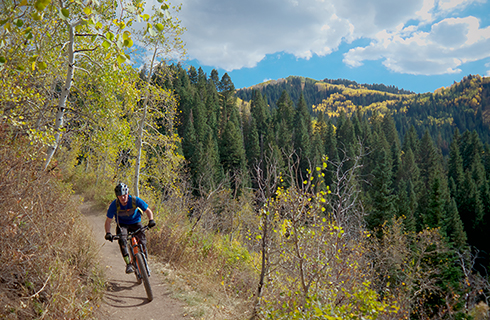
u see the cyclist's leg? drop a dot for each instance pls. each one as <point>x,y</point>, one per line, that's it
<point>122,229</point>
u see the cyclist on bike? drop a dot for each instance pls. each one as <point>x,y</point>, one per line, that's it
<point>127,210</point>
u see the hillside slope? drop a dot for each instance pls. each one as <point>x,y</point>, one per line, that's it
<point>464,105</point>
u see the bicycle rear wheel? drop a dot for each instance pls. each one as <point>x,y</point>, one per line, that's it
<point>144,275</point>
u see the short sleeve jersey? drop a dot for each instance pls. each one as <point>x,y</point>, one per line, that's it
<point>127,214</point>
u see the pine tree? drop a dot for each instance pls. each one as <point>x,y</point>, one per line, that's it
<point>214,78</point>
<point>232,153</point>
<point>455,164</point>
<point>471,208</point>
<point>453,226</point>
<point>411,141</point>
<point>403,207</point>
<point>434,213</point>
<point>284,137</point>
<point>212,171</point>
<point>301,137</point>
<point>285,111</point>
<point>192,75</point>
<point>383,200</point>
<point>252,145</point>
<point>260,112</point>
<point>470,147</point>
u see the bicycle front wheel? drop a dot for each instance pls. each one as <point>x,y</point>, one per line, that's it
<point>144,275</point>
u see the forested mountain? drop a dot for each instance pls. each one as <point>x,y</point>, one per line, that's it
<point>315,91</point>
<point>463,105</point>
<point>425,157</point>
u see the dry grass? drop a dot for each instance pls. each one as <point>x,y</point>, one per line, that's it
<point>49,265</point>
<point>212,274</point>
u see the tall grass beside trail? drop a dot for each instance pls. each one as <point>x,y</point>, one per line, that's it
<point>217,273</point>
<point>48,258</point>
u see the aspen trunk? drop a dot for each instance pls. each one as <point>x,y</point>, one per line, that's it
<point>139,140</point>
<point>65,91</point>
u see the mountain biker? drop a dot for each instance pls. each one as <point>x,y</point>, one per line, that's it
<point>127,209</point>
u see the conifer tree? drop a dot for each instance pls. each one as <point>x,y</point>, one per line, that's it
<point>201,84</point>
<point>186,100</point>
<point>345,137</point>
<point>453,226</point>
<point>301,138</point>
<point>455,164</point>
<point>192,149</point>
<point>252,146</point>
<point>284,137</point>
<point>192,75</point>
<point>285,111</point>
<point>261,115</point>
<point>232,153</point>
<point>470,146</point>
<point>331,151</point>
<point>383,200</point>
<point>214,78</point>
<point>471,208</point>
<point>411,141</point>
<point>260,112</point>
<point>211,169</point>
<point>199,117</point>
<point>303,112</point>
<point>427,158</point>
<point>437,199</point>
<point>212,107</point>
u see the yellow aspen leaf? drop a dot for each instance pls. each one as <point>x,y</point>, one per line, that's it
<point>65,12</point>
<point>159,27</point>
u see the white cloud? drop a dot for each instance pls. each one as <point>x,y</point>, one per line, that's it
<point>236,34</point>
<point>443,49</point>
<point>416,36</point>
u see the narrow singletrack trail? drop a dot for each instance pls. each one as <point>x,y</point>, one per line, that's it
<point>124,298</point>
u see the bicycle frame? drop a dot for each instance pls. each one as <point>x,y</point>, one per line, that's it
<point>139,260</point>
<point>136,248</point>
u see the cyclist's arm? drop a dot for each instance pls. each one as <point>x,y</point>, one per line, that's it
<point>149,214</point>
<point>108,225</point>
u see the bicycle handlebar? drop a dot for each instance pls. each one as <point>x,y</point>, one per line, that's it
<point>130,234</point>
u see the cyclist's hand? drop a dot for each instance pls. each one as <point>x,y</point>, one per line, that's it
<point>108,236</point>
<point>151,223</point>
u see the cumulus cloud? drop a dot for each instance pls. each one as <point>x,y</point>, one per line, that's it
<point>413,36</point>
<point>236,34</point>
<point>450,43</point>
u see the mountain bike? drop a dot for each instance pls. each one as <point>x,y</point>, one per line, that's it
<point>139,260</point>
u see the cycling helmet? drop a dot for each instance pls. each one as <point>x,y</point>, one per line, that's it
<point>121,189</point>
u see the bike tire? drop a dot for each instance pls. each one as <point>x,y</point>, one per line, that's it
<point>144,275</point>
<point>137,274</point>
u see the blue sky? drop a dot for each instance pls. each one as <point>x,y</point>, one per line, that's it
<point>418,45</point>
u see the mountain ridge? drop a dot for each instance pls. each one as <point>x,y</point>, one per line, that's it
<point>464,105</point>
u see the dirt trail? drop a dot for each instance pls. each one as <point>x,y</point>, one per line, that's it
<point>125,299</point>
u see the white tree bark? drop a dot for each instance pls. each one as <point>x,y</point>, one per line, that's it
<point>65,91</point>
<point>139,140</point>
